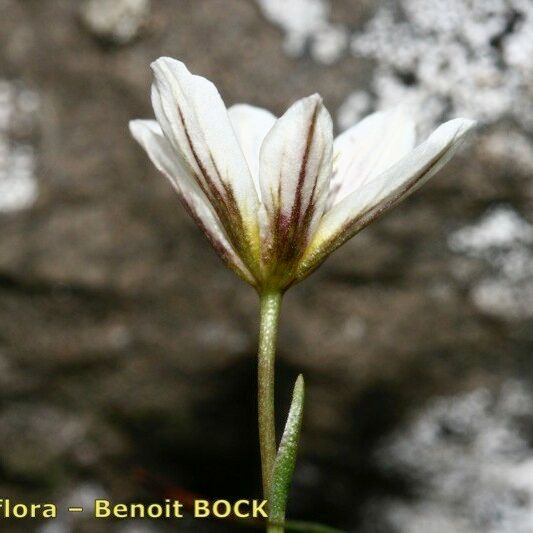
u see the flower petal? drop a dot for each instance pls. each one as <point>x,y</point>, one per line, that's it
<point>295,169</point>
<point>194,119</point>
<point>251,124</point>
<point>165,158</point>
<point>369,202</point>
<point>369,148</point>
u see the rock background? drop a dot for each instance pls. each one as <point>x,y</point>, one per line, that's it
<point>127,350</point>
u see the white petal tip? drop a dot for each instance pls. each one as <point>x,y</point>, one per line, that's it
<point>164,60</point>
<point>134,126</point>
<point>166,68</point>
<point>312,100</point>
<point>468,124</point>
<point>453,131</point>
<point>315,98</point>
<point>312,104</point>
<point>139,128</point>
<point>459,125</point>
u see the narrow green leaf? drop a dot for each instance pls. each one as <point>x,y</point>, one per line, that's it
<point>286,456</point>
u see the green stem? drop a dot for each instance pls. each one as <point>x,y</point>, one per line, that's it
<point>268,331</point>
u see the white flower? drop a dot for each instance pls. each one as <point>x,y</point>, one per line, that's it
<point>276,196</point>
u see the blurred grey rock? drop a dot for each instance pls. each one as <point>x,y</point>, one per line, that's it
<point>471,462</point>
<point>18,110</point>
<point>82,495</point>
<point>504,242</point>
<point>34,438</point>
<point>118,21</point>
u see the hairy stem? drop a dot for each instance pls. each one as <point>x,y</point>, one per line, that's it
<point>268,331</point>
